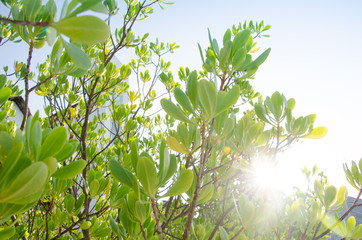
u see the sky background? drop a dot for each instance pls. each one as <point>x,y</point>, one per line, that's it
<point>315,58</point>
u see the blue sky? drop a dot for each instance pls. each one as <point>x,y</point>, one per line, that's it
<point>315,58</point>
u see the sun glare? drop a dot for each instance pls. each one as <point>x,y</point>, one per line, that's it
<point>268,177</point>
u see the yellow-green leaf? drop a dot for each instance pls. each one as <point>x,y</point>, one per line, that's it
<point>146,173</point>
<point>175,145</point>
<point>182,184</point>
<point>316,133</point>
<point>29,182</point>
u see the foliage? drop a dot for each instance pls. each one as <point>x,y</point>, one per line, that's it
<point>103,165</point>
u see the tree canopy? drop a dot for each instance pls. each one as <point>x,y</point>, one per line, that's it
<point>134,151</point>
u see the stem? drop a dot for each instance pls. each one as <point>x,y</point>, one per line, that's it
<point>25,23</point>
<point>41,83</point>
<point>143,231</point>
<point>219,222</point>
<point>193,204</point>
<point>159,228</point>
<point>26,82</point>
<point>236,234</point>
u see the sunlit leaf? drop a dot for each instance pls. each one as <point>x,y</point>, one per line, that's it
<point>316,133</point>
<point>182,184</point>
<point>84,29</point>
<point>5,93</point>
<point>175,145</point>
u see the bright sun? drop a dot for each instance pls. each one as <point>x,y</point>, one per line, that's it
<point>282,176</point>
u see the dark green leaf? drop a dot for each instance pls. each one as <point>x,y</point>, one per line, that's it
<point>121,174</point>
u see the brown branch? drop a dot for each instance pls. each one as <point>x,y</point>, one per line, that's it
<point>219,221</point>
<point>41,83</point>
<point>25,23</point>
<point>159,228</point>
<point>236,234</point>
<point>26,82</point>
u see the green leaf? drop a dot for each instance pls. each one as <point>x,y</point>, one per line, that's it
<point>259,60</point>
<point>66,152</point>
<point>226,99</point>
<point>31,9</point>
<point>316,133</point>
<point>86,5</point>
<point>240,40</point>
<point>238,58</point>
<point>182,184</point>
<point>351,223</point>
<point>84,29</point>
<point>5,93</point>
<point>141,212</point>
<point>207,95</point>
<point>121,174</point>
<point>69,203</point>
<point>183,100</point>
<point>2,80</point>
<point>134,154</point>
<point>93,188</point>
<point>192,88</point>
<point>53,143</point>
<point>357,232</point>
<point>206,194</point>
<point>7,233</point>
<point>147,175</point>
<point>71,170</point>
<point>175,145</point>
<point>260,112</point>
<point>172,110</point>
<point>29,182</point>
<point>223,234</point>
<point>291,103</point>
<point>227,36</point>
<point>77,55</point>
<point>52,164</point>
<point>171,170</point>
<point>225,56</point>
<point>116,229</point>
<point>330,195</point>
